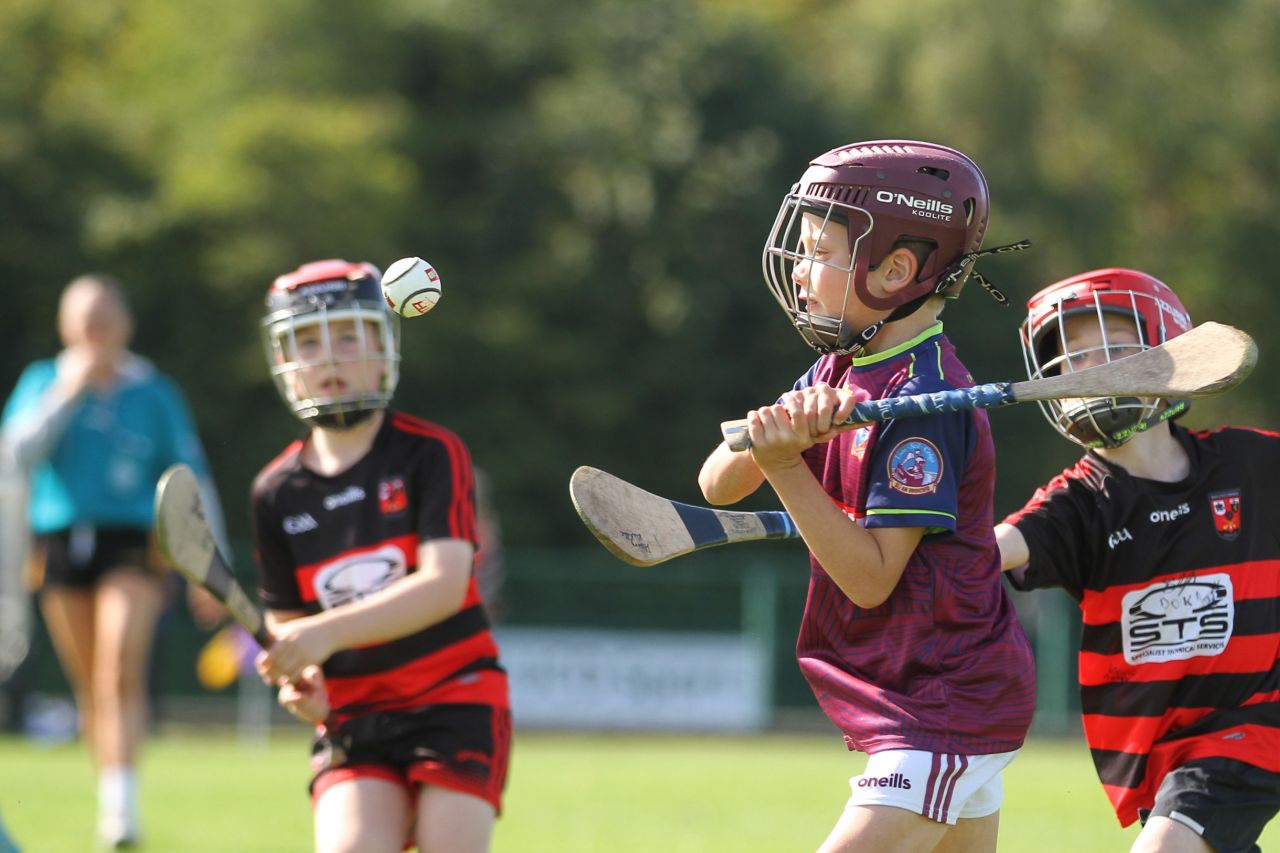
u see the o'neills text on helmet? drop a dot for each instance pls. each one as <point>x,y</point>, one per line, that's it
<point>929,208</point>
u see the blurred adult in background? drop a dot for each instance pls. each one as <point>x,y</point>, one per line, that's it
<point>94,427</point>
<point>1166,538</point>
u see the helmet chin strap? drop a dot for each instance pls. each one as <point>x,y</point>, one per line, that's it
<point>1121,435</point>
<point>342,421</point>
<point>830,335</point>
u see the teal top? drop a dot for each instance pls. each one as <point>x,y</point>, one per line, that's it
<point>96,459</point>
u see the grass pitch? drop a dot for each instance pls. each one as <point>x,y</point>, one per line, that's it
<point>567,793</point>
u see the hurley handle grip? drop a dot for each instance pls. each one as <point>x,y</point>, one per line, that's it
<point>870,411</point>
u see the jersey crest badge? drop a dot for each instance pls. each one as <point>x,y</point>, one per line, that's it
<point>915,467</point>
<point>1226,513</point>
<point>392,497</point>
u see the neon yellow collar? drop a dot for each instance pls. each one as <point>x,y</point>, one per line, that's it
<point>865,360</point>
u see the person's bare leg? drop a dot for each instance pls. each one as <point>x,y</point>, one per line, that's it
<point>362,815</point>
<point>453,822</point>
<point>69,615</point>
<point>883,829</point>
<point>971,835</point>
<point>128,603</point>
<point>1165,835</point>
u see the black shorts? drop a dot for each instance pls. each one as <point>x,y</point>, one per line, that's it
<point>461,747</point>
<point>80,556</point>
<point>1227,802</point>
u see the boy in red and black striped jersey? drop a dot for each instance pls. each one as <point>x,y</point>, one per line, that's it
<point>1166,538</point>
<point>365,534</point>
<point>909,641</point>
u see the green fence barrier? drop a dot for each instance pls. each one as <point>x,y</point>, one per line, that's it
<point>757,589</point>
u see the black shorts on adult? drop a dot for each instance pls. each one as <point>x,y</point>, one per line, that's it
<point>1228,802</point>
<point>78,557</point>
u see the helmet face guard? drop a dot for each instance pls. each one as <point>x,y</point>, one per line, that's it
<point>785,249</point>
<point>337,311</point>
<point>1145,305</point>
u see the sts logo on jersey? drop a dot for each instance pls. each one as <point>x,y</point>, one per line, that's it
<point>915,467</point>
<point>1178,619</point>
<point>1226,513</point>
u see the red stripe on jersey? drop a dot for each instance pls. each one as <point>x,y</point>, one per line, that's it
<point>406,686</point>
<point>294,448</point>
<point>1254,579</point>
<point>1246,654</point>
<point>462,513</point>
<point>1207,433</point>
<point>407,545</point>
<point>848,510</point>
<point>472,597</point>
<point>1084,469</point>
<point>1134,734</point>
<point>1256,745</point>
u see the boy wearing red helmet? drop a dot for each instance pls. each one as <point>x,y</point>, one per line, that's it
<point>1163,536</point>
<point>910,644</point>
<point>365,533</point>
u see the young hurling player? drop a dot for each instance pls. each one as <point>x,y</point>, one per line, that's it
<point>1166,538</point>
<point>365,532</point>
<point>910,643</point>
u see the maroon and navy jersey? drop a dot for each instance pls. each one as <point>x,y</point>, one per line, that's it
<point>1179,590</point>
<point>322,542</point>
<point>943,664</point>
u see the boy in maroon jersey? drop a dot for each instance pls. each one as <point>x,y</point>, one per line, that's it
<point>908,640</point>
<point>365,533</point>
<point>1166,538</point>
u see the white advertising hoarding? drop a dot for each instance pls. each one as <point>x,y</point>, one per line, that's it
<point>571,678</point>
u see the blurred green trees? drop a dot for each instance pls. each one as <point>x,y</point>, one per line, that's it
<point>594,181</point>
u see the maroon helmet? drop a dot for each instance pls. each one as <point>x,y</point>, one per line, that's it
<point>318,294</point>
<point>884,192</point>
<point>1156,315</point>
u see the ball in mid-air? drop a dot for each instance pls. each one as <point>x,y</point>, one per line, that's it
<point>411,287</point>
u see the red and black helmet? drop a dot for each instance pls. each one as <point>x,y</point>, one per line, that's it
<point>1156,315</point>
<point>318,294</point>
<point>885,192</point>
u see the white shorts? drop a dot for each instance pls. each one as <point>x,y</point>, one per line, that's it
<point>941,787</point>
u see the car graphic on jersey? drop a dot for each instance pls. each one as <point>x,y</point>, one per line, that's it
<point>915,467</point>
<point>353,577</point>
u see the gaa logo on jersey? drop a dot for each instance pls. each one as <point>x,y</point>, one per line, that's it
<point>1178,619</point>
<point>1226,513</point>
<point>915,467</point>
<point>392,497</point>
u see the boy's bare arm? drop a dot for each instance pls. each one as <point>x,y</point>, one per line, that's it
<point>431,594</point>
<point>1014,553</point>
<point>865,564</point>
<point>727,477</point>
